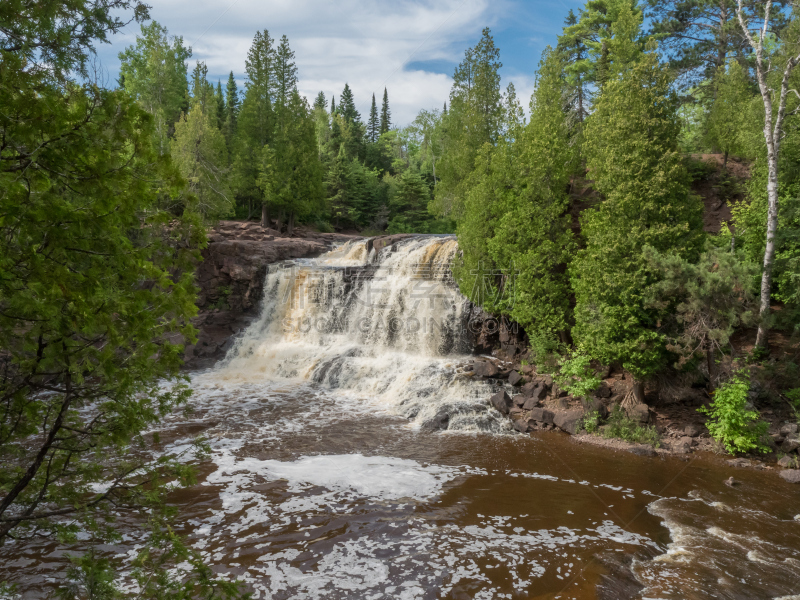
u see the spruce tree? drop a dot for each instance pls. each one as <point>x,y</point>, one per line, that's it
<point>285,71</point>
<point>475,118</point>
<point>320,102</point>
<point>333,105</point>
<point>373,125</point>
<point>386,115</point>
<point>231,109</point>
<point>634,160</point>
<point>574,50</point>
<point>347,106</point>
<point>220,101</point>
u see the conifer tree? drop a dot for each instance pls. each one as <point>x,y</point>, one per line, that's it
<point>574,49</point>
<point>320,102</point>
<point>347,106</point>
<point>634,160</point>
<point>386,115</point>
<point>728,119</point>
<point>285,71</point>
<point>373,125</point>
<point>231,110</point>
<point>333,105</point>
<point>474,119</point>
<point>220,102</point>
<point>154,71</point>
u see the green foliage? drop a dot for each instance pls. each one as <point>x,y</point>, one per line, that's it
<point>633,158</point>
<point>621,426</point>
<point>577,376</point>
<point>591,421</point>
<point>386,113</point>
<point>154,72</point>
<point>474,119</point>
<point>728,119</point>
<point>731,422</point>
<point>704,302</point>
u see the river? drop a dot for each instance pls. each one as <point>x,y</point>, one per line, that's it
<point>327,480</point>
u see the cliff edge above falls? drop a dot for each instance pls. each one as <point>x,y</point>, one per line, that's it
<point>231,279</point>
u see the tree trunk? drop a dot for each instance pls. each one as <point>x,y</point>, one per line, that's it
<point>290,224</point>
<point>725,161</point>
<point>249,208</point>
<point>638,391</point>
<point>265,216</point>
<point>711,364</point>
<point>279,224</point>
<point>769,251</point>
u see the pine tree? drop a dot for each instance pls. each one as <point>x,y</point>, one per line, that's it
<point>285,71</point>
<point>220,101</point>
<point>475,118</point>
<point>320,102</point>
<point>634,160</point>
<point>574,50</point>
<point>373,125</point>
<point>333,105</point>
<point>231,109</point>
<point>386,115</point>
<point>347,106</point>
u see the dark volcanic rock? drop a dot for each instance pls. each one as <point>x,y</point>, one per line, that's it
<point>640,413</point>
<point>619,582</point>
<point>521,425</point>
<point>438,423</point>
<point>485,368</point>
<point>543,415</point>
<point>515,378</point>
<point>569,420</point>
<point>501,401</point>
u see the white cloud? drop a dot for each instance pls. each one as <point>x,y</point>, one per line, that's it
<point>364,43</point>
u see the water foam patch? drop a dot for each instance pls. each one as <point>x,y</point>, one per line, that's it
<point>375,477</point>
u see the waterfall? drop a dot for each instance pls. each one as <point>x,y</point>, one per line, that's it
<point>387,327</point>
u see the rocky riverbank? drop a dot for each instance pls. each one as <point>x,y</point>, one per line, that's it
<point>534,402</point>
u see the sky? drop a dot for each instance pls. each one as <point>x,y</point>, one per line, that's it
<point>410,47</point>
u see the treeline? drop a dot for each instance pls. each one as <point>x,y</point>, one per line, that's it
<point>579,222</point>
<point>267,151</point>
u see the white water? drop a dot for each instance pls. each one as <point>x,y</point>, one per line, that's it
<point>389,328</point>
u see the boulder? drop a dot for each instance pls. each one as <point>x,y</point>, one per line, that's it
<point>596,405</point>
<point>484,368</point>
<point>521,425</point>
<point>787,461</point>
<point>643,450</point>
<point>519,400</point>
<point>788,429</point>
<point>686,440</point>
<point>542,415</point>
<point>438,423</point>
<point>791,475</point>
<point>530,403</point>
<point>569,420</point>
<point>501,401</point>
<point>692,430</point>
<point>603,391</point>
<point>514,378</point>
<point>639,413</point>
<point>534,391</point>
<point>790,444</point>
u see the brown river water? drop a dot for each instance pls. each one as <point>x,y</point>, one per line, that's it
<point>325,482</point>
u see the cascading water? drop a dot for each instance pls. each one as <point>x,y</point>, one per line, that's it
<point>387,326</point>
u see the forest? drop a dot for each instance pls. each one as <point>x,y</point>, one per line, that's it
<point>577,213</point>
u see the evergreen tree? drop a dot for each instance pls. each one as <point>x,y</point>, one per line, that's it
<point>408,204</point>
<point>285,71</point>
<point>347,106</point>
<point>386,115</point>
<point>373,125</point>
<point>633,158</point>
<point>202,92</point>
<point>574,50</point>
<point>231,109</point>
<point>154,71</point>
<point>333,105</point>
<point>291,173</point>
<point>474,119</point>
<point>728,119</point>
<point>338,187</point>
<point>320,102</point>
<point>220,101</point>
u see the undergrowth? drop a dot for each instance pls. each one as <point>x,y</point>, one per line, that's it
<point>621,426</point>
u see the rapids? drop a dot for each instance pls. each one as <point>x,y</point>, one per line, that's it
<point>325,481</point>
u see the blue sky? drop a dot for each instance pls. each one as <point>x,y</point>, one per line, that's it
<point>408,46</point>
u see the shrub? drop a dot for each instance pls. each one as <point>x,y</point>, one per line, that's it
<point>730,422</point>
<point>577,375</point>
<point>621,426</point>
<point>591,421</point>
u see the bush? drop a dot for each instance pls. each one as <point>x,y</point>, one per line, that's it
<point>577,375</point>
<point>621,426</point>
<point>591,421</point>
<point>730,422</point>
